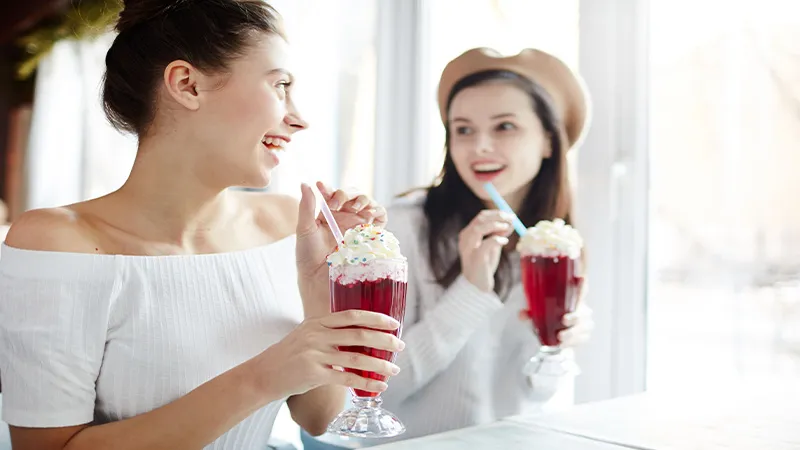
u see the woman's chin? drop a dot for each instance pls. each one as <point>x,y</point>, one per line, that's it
<point>257,181</point>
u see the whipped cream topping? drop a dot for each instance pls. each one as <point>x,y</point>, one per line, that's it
<point>365,243</point>
<point>551,239</point>
<point>377,269</point>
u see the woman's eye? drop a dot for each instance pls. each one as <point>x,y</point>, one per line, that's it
<point>506,126</point>
<point>463,131</point>
<point>284,85</point>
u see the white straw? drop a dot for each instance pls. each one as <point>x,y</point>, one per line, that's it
<point>337,233</point>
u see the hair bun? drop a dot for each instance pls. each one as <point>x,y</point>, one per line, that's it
<point>136,12</point>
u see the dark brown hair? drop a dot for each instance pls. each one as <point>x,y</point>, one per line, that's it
<point>450,205</point>
<point>152,33</point>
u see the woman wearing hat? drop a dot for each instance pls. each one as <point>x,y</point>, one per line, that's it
<point>511,121</point>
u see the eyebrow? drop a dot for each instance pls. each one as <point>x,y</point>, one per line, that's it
<point>282,71</point>
<point>494,117</point>
<point>502,116</point>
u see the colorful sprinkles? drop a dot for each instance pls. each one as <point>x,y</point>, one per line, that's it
<point>365,243</point>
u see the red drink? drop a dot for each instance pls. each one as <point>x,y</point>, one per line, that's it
<point>385,296</point>
<point>552,287</point>
<point>377,286</point>
<point>368,272</point>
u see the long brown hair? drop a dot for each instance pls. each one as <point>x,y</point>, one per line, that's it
<point>450,204</point>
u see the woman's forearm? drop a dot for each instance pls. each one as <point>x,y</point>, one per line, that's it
<point>188,423</point>
<point>315,409</point>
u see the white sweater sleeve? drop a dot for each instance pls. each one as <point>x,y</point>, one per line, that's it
<point>54,310</point>
<point>433,342</point>
<point>437,334</point>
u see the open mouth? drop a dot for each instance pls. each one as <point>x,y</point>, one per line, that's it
<point>274,143</point>
<point>487,171</point>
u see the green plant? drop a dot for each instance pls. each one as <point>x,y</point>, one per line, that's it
<point>83,19</point>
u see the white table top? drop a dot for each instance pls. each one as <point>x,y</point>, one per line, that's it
<point>729,420</point>
<point>724,419</point>
<point>501,435</point>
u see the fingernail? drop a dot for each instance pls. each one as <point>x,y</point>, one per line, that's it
<point>334,204</point>
<point>395,369</point>
<point>401,345</point>
<point>357,205</point>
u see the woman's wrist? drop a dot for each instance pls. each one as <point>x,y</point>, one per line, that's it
<point>254,378</point>
<point>315,293</point>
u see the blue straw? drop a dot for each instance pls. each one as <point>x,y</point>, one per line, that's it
<point>498,200</point>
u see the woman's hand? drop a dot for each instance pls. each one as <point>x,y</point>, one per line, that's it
<point>579,327</point>
<point>315,240</point>
<point>480,244</point>
<point>303,360</point>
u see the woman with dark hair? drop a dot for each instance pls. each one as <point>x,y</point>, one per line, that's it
<point>509,121</point>
<point>169,314</point>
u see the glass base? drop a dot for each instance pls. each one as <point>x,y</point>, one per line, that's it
<point>366,419</point>
<point>550,361</point>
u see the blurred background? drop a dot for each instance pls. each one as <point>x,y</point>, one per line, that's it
<point>687,184</point>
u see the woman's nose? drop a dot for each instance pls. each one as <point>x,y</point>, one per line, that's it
<point>295,121</point>
<point>483,145</point>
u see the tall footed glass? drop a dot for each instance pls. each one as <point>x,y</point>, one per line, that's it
<point>551,279</point>
<point>552,286</point>
<point>377,285</point>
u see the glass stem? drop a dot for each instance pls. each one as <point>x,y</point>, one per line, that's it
<point>367,402</point>
<point>550,351</point>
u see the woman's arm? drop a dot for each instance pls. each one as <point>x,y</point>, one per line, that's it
<point>189,423</point>
<point>439,332</point>
<point>299,363</point>
<point>315,409</point>
<point>434,341</point>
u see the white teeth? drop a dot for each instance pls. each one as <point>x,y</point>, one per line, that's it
<point>277,142</point>
<point>487,167</point>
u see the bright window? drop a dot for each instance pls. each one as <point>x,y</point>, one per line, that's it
<point>724,295</point>
<point>334,46</point>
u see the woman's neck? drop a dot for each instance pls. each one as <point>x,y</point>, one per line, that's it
<point>171,200</point>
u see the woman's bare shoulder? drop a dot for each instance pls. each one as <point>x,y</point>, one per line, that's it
<point>58,229</point>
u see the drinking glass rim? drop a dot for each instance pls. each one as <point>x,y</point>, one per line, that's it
<point>393,260</point>
<point>533,255</point>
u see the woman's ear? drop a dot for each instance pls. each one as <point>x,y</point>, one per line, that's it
<point>180,80</point>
